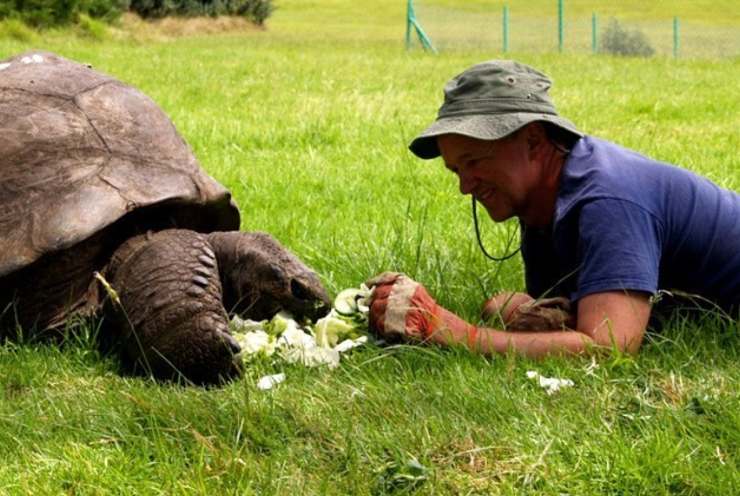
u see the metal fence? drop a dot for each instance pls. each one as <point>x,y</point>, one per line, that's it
<point>503,30</point>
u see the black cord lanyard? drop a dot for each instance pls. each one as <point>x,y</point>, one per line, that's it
<point>480,243</point>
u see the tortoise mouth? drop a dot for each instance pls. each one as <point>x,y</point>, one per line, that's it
<point>265,308</point>
<point>313,310</point>
<point>306,303</point>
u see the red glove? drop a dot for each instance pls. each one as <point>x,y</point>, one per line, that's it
<point>401,308</point>
<point>519,311</point>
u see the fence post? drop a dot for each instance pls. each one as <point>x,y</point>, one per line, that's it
<point>409,10</point>
<point>412,22</point>
<point>506,28</point>
<point>676,37</point>
<point>594,33</point>
<point>561,34</point>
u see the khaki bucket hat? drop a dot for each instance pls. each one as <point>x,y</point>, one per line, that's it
<point>490,101</point>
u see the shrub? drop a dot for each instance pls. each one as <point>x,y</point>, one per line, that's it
<point>92,28</point>
<point>256,11</point>
<point>620,41</point>
<point>106,10</point>
<point>41,13</point>
<point>17,30</point>
<point>47,13</point>
<point>153,9</point>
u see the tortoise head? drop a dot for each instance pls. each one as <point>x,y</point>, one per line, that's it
<point>260,278</point>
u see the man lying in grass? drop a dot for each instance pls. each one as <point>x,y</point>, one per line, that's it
<point>603,228</point>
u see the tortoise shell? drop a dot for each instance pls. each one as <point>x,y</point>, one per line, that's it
<point>79,150</point>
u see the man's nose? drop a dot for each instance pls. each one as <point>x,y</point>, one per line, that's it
<point>467,183</point>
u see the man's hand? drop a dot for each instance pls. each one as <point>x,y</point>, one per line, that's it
<point>401,309</point>
<point>612,318</point>
<point>521,312</point>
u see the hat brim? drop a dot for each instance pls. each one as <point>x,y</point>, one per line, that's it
<point>484,127</point>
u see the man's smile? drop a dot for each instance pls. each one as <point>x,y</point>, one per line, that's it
<point>485,194</point>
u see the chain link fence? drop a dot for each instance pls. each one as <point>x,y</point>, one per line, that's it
<point>502,30</point>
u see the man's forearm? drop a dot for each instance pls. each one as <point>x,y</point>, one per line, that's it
<point>532,344</point>
<point>495,341</point>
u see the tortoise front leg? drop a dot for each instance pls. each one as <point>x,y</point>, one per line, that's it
<point>172,323</point>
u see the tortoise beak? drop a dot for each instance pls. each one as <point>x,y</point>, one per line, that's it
<point>321,308</point>
<point>311,301</point>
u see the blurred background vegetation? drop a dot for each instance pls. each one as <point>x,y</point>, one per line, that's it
<point>51,13</point>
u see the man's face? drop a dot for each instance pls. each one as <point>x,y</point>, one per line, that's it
<point>499,174</point>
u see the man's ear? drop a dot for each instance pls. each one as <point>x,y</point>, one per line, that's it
<point>536,137</point>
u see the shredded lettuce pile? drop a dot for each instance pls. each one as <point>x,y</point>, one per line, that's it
<point>310,344</point>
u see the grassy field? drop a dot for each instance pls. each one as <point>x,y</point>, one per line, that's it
<point>307,123</point>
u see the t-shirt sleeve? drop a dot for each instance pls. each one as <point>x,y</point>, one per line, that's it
<point>619,248</point>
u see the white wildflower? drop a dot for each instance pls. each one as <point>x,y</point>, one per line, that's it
<point>270,381</point>
<point>551,385</point>
<point>591,367</point>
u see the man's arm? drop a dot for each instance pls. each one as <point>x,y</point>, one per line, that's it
<point>615,318</point>
<point>402,308</point>
<point>604,319</point>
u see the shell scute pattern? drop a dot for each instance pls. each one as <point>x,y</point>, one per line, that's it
<point>79,150</point>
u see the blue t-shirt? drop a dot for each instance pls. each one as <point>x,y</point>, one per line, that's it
<point>626,222</point>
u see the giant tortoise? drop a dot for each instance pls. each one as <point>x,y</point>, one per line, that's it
<point>94,178</point>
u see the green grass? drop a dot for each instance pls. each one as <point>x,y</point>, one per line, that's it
<point>307,123</point>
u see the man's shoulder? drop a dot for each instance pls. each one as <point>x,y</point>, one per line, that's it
<point>597,169</point>
<point>595,160</point>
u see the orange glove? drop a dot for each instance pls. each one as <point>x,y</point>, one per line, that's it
<point>519,311</point>
<point>401,308</point>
